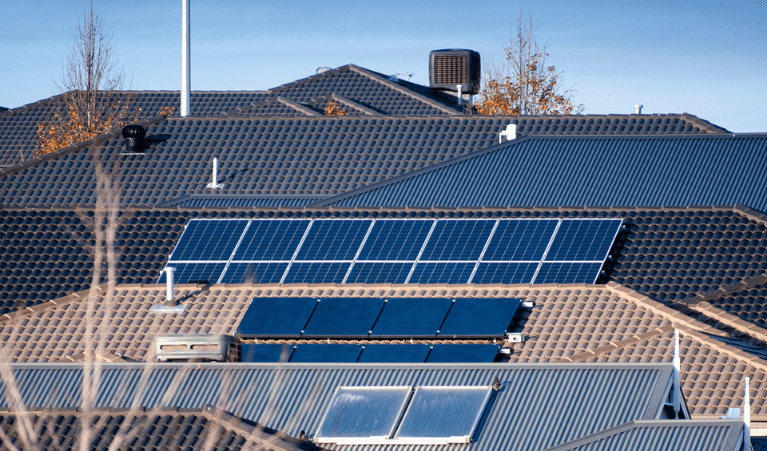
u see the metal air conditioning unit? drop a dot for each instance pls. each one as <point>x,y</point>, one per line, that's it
<point>197,347</point>
<point>451,68</point>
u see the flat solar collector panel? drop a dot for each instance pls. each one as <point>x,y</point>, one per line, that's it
<point>333,239</point>
<point>344,318</point>
<point>271,240</point>
<point>208,240</point>
<point>276,317</point>
<point>458,240</point>
<point>479,317</point>
<point>520,240</point>
<point>583,240</point>
<point>395,240</point>
<point>411,318</point>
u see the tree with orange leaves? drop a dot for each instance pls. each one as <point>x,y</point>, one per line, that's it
<point>522,83</point>
<point>93,101</point>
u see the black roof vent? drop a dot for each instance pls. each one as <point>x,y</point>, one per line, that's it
<point>134,138</point>
<point>452,67</point>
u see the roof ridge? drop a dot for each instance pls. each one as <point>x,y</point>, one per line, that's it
<point>750,213</point>
<point>37,103</point>
<point>114,133</point>
<point>401,89</point>
<point>704,124</point>
<point>357,106</point>
<point>731,320</point>
<point>306,111</point>
<point>687,325</point>
<point>308,79</point>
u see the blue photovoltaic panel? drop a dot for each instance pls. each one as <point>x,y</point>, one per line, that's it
<point>271,239</point>
<point>458,240</point>
<point>326,353</point>
<point>411,318</point>
<point>442,273</point>
<point>343,317</point>
<point>379,272</point>
<point>276,317</point>
<point>394,353</point>
<point>270,353</point>
<point>205,273</point>
<point>520,240</point>
<point>396,240</point>
<point>505,273</point>
<point>583,240</point>
<point>317,272</point>
<point>479,317</point>
<point>568,273</point>
<point>333,239</point>
<point>466,353</point>
<point>254,273</point>
<point>209,239</point>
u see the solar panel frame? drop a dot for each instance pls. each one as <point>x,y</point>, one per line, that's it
<point>387,272</point>
<point>343,318</point>
<point>257,273</point>
<point>326,353</point>
<point>583,240</point>
<point>333,240</point>
<point>442,272</point>
<point>199,273</point>
<point>479,317</point>
<point>411,318</point>
<point>254,250</point>
<point>505,273</point>
<point>199,231</point>
<point>276,317</point>
<point>458,240</point>
<point>394,353</point>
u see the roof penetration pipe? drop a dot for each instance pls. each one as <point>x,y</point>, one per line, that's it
<point>186,70</point>
<point>169,284</point>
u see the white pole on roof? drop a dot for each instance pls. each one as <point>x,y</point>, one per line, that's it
<point>169,283</point>
<point>676,393</point>
<point>746,418</point>
<point>186,70</point>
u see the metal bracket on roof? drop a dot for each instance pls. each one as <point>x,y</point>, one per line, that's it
<point>515,337</point>
<point>162,308</point>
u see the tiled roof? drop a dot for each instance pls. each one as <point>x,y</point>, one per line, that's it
<point>18,127</point>
<point>744,301</point>
<point>668,254</point>
<point>289,156</point>
<point>152,430</point>
<point>569,323</point>
<point>537,406</point>
<point>597,171</point>
<point>650,435</point>
<point>614,124</point>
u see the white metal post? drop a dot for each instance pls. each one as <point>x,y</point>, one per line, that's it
<point>186,70</point>
<point>676,394</point>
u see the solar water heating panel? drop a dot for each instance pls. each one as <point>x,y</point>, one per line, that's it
<point>411,318</point>
<point>276,317</point>
<point>343,318</point>
<point>479,317</point>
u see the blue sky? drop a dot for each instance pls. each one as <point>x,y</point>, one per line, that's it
<point>707,58</point>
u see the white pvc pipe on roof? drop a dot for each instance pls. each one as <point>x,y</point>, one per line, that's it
<point>186,70</point>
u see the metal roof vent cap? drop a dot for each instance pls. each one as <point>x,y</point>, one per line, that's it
<point>638,108</point>
<point>322,69</point>
<point>134,138</point>
<point>450,68</point>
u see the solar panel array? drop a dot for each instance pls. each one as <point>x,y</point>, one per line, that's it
<point>369,353</point>
<point>362,318</point>
<point>423,251</point>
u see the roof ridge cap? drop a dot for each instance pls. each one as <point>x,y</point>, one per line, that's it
<point>750,213</point>
<point>307,79</point>
<point>714,312</point>
<point>48,305</point>
<point>704,124</point>
<point>401,89</point>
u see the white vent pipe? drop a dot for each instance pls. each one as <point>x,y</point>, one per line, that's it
<point>638,108</point>
<point>186,69</point>
<point>747,418</point>
<point>510,133</point>
<point>169,283</point>
<point>460,94</point>
<point>214,184</point>
<point>676,391</point>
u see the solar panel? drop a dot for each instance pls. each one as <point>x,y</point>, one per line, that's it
<point>392,239</point>
<point>457,240</point>
<point>254,273</point>
<point>508,273</point>
<point>257,353</point>
<point>442,273</point>
<point>583,239</point>
<point>276,317</point>
<point>394,353</point>
<point>208,240</point>
<point>317,273</point>
<point>463,353</point>
<point>520,240</point>
<point>344,317</point>
<point>362,413</point>
<point>568,273</point>
<point>411,318</point>
<point>419,251</point>
<point>326,353</point>
<point>333,239</point>
<point>271,240</point>
<point>204,273</point>
<point>444,414</point>
<point>479,317</point>
<point>379,272</point>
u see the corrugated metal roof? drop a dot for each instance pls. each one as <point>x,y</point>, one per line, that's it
<point>594,171</point>
<point>538,406</point>
<point>723,435</point>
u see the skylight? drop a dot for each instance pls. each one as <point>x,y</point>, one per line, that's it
<point>388,415</point>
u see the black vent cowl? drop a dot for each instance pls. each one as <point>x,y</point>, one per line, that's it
<point>452,67</point>
<point>134,138</point>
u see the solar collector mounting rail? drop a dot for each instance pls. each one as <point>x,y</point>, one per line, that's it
<point>397,251</point>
